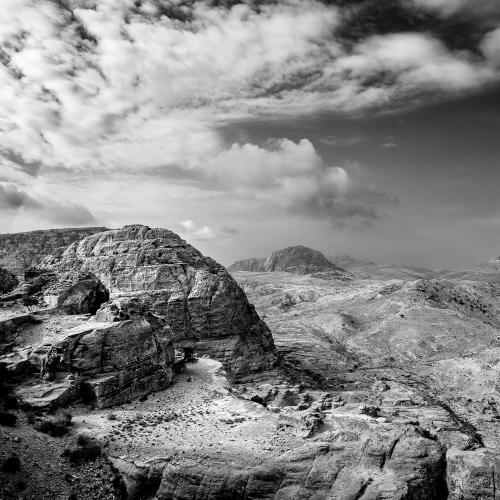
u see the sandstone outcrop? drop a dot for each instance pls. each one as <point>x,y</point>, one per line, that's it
<point>155,270</point>
<point>100,363</point>
<point>296,259</point>
<point>20,251</point>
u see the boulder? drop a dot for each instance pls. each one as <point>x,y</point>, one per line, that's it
<point>155,270</point>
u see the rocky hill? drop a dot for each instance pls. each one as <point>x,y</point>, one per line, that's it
<point>155,270</point>
<point>297,260</point>
<point>19,251</point>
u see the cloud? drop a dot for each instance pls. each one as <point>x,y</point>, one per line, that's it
<point>292,176</point>
<point>14,199</point>
<point>333,140</point>
<point>389,145</point>
<point>112,85</point>
<point>490,46</point>
<point>450,7</point>
<point>192,232</point>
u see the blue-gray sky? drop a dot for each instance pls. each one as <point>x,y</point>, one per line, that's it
<point>368,127</point>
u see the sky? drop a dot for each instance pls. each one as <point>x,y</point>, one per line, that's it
<point>367,127</point>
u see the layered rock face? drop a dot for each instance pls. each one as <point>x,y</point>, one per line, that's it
<point>101,363</point>
<point>19,251</point>
<point>296,259</point>
<point>154,269</point>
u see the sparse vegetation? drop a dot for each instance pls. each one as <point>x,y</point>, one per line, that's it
<point>87,449</point>
<point>57,425</point>
<point>8,419</point>
<point>11,465</point>
<point>189,356</point>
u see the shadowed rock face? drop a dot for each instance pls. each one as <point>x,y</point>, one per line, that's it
<point>196,296</point>
<point>297,260</point>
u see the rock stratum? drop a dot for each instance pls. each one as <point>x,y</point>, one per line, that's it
<point>20,251</point>
<point>297,260</point>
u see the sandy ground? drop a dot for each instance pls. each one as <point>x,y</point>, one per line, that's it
<point>196,414</point>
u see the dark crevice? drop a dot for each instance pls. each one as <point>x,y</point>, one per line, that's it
<point>363,488</point>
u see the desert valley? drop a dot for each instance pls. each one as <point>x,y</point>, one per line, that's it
<point>134,367</point>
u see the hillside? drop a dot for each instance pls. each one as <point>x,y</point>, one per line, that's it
<point>19,251</point>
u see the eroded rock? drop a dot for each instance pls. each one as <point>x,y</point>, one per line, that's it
<point>155,270</point>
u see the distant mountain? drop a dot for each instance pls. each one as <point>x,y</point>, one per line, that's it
<point>18,251</point>
<point>345,261</point>
<point>363,269</point>
<point>488,272</point>
<point>297,259</point>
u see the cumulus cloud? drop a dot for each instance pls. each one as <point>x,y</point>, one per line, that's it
<point>294,177</point>
<point>14,199</point>
<point>192,231</point>
<point>491,46</point>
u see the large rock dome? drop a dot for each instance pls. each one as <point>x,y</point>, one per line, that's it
<point>156,270</point>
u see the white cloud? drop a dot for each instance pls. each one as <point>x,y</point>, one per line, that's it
<point>491,46</point>
<point>140,89</point>
<point>192,232</point>
<point>293,176</point>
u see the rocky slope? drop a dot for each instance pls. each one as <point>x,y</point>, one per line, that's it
<point>438,338</point>
<point>19,251</point>
<point>296,259</point>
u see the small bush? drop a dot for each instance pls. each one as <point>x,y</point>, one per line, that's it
<point>84,440</point>
<point>87,450</point>
<point>57,425</point>
<point>189,356</point>
<point>8,419</point>
<point>30,417</point>
<point>11,465</point>
<point>11,402</point>
<point>21,485</point>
